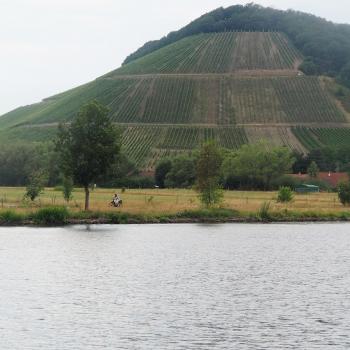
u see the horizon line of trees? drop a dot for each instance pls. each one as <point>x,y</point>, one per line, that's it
<point>18,163</point>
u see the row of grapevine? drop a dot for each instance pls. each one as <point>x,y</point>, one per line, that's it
<point>254,100</point>
<point>307,138</point>
<point>172,101</point>
<point>180,138</point>
<point>219,53</point>
<point>333,136</point>
<point>231,138</point>
<point>166,60</point>
<point>128,108</point>
<point>317,137</point>
<point>188,60</point>
<point>287,51</point>
<point>304,100</point>
<point>138,142</point>
<point>217,100</point>
<point>146,144</point>
<point>224,101</point>
<point>275,136</point>
<point>340,92</point>
<point>65,106</point>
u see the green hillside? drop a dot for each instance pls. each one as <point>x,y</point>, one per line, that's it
<point>235,87</point>
<point>219,53</point>
<point>219,100</point>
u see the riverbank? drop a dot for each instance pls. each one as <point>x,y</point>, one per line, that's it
<point>164,206</point>
<point>60,216</point>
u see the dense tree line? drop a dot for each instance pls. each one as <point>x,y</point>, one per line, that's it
<point>18,162</point>
<point>256,166</point>
<point>327,159</point>
<point>325,45</point>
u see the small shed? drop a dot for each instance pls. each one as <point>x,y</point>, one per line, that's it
<point>304,188</point>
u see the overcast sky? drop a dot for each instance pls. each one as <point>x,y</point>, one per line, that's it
<point>48,46</point>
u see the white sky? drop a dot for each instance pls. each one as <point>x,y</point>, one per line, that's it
<point>49,46</point>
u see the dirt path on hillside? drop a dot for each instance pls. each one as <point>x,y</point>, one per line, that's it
<point>208,125</point>
<point>238,73</point>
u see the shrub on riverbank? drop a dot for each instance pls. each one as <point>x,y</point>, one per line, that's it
<point>264,213</point>
<point>285,195</point>
<point>211,213</point>
<point>10,217</point>
<point>51,216</point>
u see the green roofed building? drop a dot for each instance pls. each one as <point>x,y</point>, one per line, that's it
<point>307,189</point>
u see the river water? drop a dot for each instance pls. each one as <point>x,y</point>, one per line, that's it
<point>175,287</point>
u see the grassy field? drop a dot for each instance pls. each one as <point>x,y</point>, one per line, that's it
<point>167,202</point>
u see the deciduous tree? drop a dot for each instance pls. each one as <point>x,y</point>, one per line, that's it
<point>313,169</point>
<point>208,174</point>
<point>88,146</point>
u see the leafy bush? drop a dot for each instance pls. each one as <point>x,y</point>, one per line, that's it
<point>162,169</point>
<point>208,174</point>
<point>285,195</point>
<point>51,216</point>
<point>344,193</point>
<point>118,218</point>
<point>67,188</point>
<point>36,185</point>
<point>313,170</point>
<point>10,217</point>
<point>182,173</point>
<point>219,213</point>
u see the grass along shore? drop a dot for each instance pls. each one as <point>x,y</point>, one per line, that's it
<point>162,206</point>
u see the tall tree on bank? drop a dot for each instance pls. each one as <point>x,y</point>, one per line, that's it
<point>88,146</point>
<point>208,174</point>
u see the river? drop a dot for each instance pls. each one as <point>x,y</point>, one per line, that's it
<point>233,286</point>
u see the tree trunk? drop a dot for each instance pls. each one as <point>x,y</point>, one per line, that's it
<point>87,198</point>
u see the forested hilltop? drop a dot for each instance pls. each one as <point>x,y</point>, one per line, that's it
<point>325,45</point>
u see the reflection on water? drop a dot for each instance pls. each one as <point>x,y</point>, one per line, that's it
<point>175,287</point>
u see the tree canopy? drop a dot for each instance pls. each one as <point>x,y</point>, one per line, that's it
<point>88,147</point>
<point>258,164</point>
<point>208,174</point>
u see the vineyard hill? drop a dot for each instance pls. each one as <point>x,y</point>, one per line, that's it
<point>235,87</point>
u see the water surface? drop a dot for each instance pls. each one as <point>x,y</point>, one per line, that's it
<point>175,287</point>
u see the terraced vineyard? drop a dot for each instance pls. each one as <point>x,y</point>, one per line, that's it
<point>233,87</point>
<point>194,100</point>
<point>145,150</point>
<point>276,136</point>
<point>219,53</point>
<point>313,138</point>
